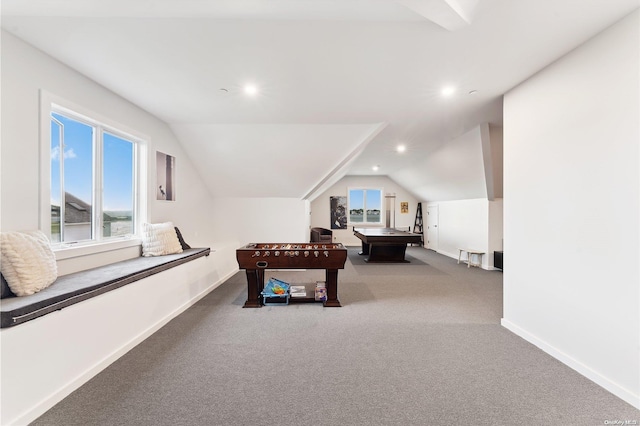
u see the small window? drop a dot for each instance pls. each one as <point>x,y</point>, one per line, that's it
<point>77,206</point>
<point>365,206</point>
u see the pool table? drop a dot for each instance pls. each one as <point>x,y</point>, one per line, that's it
<point>385,244</point>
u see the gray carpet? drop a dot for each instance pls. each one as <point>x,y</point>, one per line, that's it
<point>359,259</point>
<point>405,349</point>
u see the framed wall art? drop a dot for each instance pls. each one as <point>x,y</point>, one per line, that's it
<point>165,177</point>
<point>338,210</point>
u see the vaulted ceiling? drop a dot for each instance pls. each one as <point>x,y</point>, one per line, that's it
<point>340,83</point>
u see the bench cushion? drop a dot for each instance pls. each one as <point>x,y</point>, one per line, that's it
<point>73,288</point>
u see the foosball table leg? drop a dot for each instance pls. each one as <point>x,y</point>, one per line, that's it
<point>255,284</point>
<point>332,289</point>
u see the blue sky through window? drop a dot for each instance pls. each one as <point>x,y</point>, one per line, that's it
<point>78,165</point>
<point>78,159</point>
<point>118,174</point>
<point>374,199</point>
<point>356,199</point>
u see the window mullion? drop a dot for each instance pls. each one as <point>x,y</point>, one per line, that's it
<point>136,189</point>
<point>364,206</point>
<point>61,177</point>
<point>97,215</point>
<point>63,203</point>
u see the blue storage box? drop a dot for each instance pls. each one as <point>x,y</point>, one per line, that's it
<point>269,298</point>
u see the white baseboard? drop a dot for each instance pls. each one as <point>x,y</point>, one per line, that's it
<point>622,393</point>
<point>46,404</point>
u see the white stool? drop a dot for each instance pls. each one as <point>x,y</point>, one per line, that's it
<point>471,253</point>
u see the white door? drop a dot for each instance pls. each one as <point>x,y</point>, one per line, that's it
<point>432,228</point>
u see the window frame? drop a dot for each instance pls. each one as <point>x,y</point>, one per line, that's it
<point>365,189</point>
<point>51,103</point>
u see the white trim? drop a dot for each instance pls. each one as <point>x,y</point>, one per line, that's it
<point>44,167</point>
<point>67,251</point>
<point>622,393</point>
<point>91,117</point>
<point>97,213</point>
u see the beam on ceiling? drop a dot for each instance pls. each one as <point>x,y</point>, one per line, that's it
<point>449,14</point>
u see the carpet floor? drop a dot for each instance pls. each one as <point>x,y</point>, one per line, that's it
<point>414,344</point>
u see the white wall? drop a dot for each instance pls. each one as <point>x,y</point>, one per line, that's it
<point>496,228</point>
<point>320,208</point>
<point>454,171</point>
<point>25,71</point>
<point>571,209</point>
<point>464,224</point>
<point>25,391</point>
<point>262,220</point>
<point>45,359</point>
<point>497,156</point>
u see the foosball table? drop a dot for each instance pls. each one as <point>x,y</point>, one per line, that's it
<point>255,258</point>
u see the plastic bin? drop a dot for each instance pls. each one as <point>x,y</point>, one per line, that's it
<point>269,298</point>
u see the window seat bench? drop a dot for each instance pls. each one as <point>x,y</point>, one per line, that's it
<point>74,288</point>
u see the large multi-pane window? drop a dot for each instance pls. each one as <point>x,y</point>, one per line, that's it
<point>365,206</point>
<point>93,180</point>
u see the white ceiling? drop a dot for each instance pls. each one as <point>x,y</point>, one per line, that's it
<point>341,82</point>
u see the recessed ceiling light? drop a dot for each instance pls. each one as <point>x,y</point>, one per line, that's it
<point>448,90</point>
<point>401,148</point>
<point>375,168</point>
<point>250,90</point>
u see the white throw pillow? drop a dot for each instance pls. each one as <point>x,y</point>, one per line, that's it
<point>28,263</point>
<point>159,239</point>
